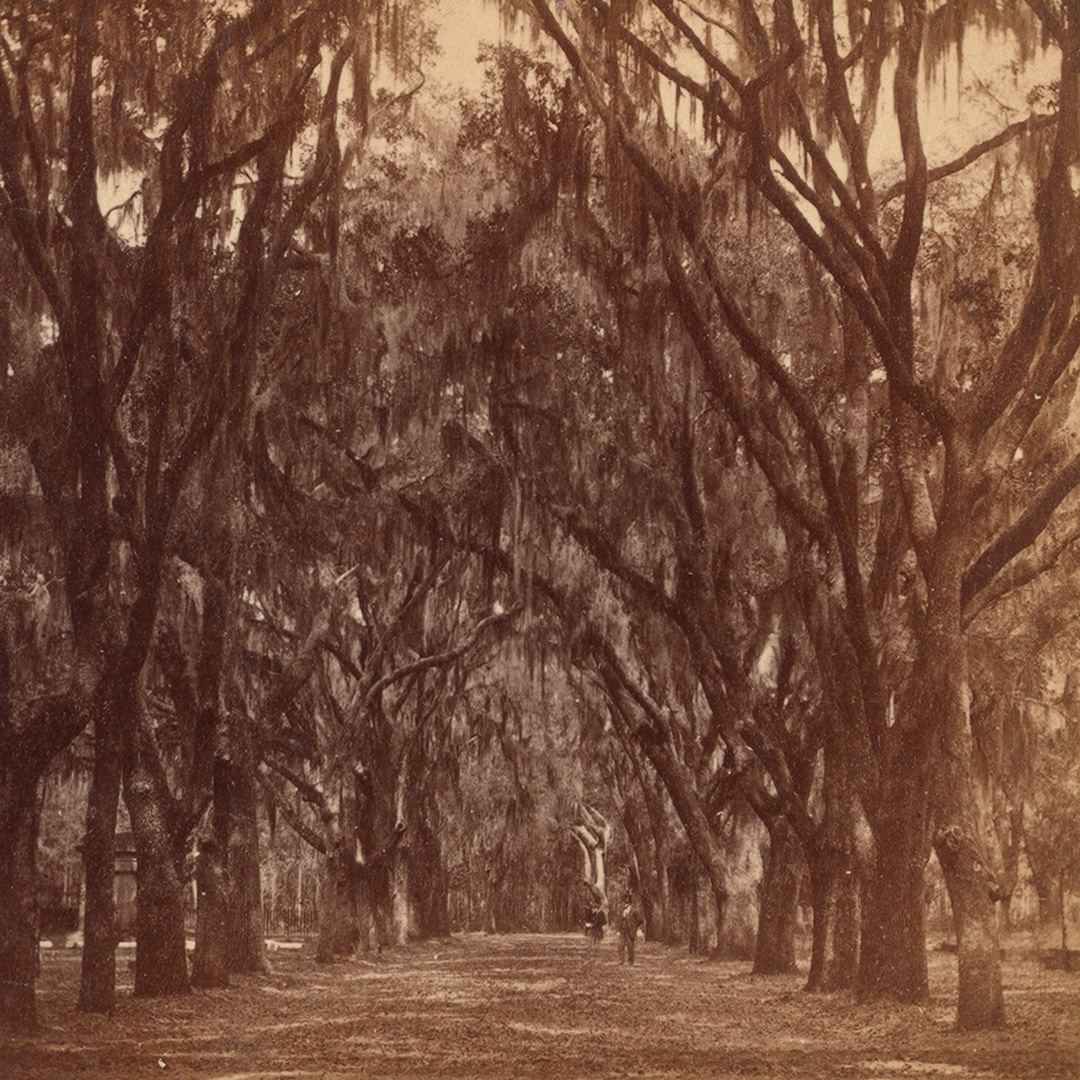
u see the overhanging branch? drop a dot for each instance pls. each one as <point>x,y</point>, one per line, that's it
<point>1020,535</point>
<point>1022,127</point>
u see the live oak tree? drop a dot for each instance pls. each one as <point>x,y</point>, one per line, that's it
<point>1024,718</point>
<point>779,89</point>
<point>368,748</point>
<point>140,389</point>
<point>523,764</point>
<point>551,330</point>
<point>386,414</point>
<point>644,811</point>
<point>355,577</point>
<point>620,453</point>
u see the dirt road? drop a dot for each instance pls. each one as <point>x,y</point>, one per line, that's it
<point>540,1006</point>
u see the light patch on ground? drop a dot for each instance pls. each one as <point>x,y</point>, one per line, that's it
<point>915,1068</point>
<point>544,1029</point>
<point>263,1075</point>
<point>541,986</point>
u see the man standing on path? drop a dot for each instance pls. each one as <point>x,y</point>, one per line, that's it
<point>629,921</point>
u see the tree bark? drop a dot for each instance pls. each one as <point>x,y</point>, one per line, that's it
<point>958,842</point>
<point>400,903</point>
<point>209,963</point>
<point>428,886</point>
<point>97,988</point>
<point>230,936</point>
<point>660,929</point>
<point>774,952</point>
<point>834,883</point>
<point>835,880</point>
<point>21,806</point>
<point>981,1001</point>
<point>892,958</point>
<point>245,933</point>
<point>337,921</point>
<point>160,956</point>
<point>369,937</point>
<point>958,839</point>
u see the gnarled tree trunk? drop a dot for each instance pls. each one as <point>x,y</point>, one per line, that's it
<point>774,952</point>
<point>981,1002</point>
<point>160,956</point>
<point>958,842</point>
<point>835,881</point>
<point>97,988</point>
<point>246,936</point>
<point>892,958</point>
<point>337,914</point>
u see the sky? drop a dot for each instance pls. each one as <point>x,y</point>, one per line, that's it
<point>463,26</point>
<point>992,95</point>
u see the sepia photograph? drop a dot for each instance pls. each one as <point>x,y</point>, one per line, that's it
<point>539,539</point>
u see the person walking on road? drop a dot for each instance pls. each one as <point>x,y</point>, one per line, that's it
<point>629,921</point>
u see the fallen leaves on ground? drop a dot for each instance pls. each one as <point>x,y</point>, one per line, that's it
<point>522,1006</point>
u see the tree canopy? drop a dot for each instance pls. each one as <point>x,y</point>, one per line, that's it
<point>671,414</point>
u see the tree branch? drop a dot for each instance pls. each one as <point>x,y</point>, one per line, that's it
<point>1008,379</point>
<point>1022,127</point>
<point>1050,19</point>
<point>439,659</point>
<point>295,822</point>
<point>17,213</point>
<point>1024,569</point>
<point>308,791</point>
<point>1022,534</point>
<point>906,107</point>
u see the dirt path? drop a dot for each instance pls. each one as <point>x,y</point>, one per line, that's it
<point>540,1006</point>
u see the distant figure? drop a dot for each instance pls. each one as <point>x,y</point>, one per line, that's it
<point>595,921</point>
<point>629,921</point>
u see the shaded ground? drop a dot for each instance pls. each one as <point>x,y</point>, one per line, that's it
<point>540,1006</point>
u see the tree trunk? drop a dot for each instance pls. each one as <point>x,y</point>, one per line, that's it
<point>774,953</point>
<point>160,957</point>
<point>246,936</point>
<point>694,936</point>
<point>401,909</point>
<point>369,937</point>
<point>958,836</point>
<point>684,798</point>
<point>97,989</point>
<point>659,928</point>
<point>981,1002</point>
<point>337,921</point>
<point>21,813</point>
<point>835,880</point>
<point>834,883</point>
<point>428,883</point>
<point>209,964</point>
<point>958,841</point>
<point>892,956</point>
